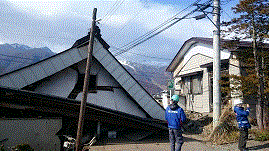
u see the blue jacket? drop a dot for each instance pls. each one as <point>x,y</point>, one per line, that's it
<point>242,117</point>
<point>175,116</point>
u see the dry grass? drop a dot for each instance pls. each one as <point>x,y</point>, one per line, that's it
<point>260,135</point>
<point>227,131</point>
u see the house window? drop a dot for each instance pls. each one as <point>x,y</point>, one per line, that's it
<point>186,85</point>
<point>192,84</point>
<point>196,84</point>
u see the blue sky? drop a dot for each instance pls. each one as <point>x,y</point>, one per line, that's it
<point>57,24</point>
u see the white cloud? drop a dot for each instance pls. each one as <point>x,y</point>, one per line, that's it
<point>43,9</point>
<point>117,20</point>
<point>66,21</point>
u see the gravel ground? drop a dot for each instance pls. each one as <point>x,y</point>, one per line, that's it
<point>192,143</point>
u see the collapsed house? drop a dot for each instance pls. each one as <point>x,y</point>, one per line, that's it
<point>41,102</point>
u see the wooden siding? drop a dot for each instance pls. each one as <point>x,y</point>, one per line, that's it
<point>40,134</point>
<point>199,102</point>
<point>194,63</point>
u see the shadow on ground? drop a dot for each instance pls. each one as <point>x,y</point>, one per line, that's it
<point>194,125</point>
<point>155,137</point>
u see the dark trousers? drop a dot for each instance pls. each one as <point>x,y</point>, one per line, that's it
<point>176,139</point>
<point>243,138</point>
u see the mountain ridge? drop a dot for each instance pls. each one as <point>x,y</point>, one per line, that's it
<point>14,56</point>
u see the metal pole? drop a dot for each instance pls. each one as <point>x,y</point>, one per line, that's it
<point>86,84</point>
<point>216,64</point>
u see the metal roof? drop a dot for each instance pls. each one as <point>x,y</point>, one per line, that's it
<point>30,74</point>
<point>208,41</point>
<point>125,79</point>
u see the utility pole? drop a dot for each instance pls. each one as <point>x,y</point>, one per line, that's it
<point>86,84</point>
<point>216,64</point>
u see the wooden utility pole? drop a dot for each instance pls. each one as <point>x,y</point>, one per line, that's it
<point>216,64</point>
<point>86,84</point>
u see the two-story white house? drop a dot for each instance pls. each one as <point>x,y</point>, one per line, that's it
<point>192,69</point>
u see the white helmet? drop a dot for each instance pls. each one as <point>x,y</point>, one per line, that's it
<point>237,101</point>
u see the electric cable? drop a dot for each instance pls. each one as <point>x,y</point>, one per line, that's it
<point>112,12</point>
<point>115,48</point>
<point>159,26</point>
<point>134,17</point>
<point>143,38</point>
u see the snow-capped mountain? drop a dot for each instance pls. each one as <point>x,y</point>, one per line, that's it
<point>16,46</point>
<point>14,56</point>
<point>152,77</point>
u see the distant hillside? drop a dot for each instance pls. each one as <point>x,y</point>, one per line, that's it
<point>15,56</point>
<point>152,78</point>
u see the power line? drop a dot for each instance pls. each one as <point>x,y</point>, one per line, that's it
<point>115,48</point>
<point>134,17</point>
<point>226,13</point>
<point>144,38</point>
<point>112,11</point>
<point>159,26</point>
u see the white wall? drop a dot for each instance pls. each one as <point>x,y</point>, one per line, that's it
<point>60,84</point>
<point>204,50</point>
<point>40,134</point>
<point>197,55</point>
<point>116,100</point>
<point>234,69</point>
<point>198,102</point>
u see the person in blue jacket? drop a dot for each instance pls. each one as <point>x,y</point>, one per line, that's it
<point>243,123</point>
<point>175,117</point>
